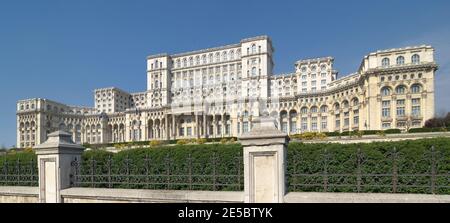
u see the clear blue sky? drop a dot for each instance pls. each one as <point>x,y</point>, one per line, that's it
<point>63,50</point>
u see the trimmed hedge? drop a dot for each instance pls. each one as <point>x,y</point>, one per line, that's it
<point>219,165</point>
<point>19,169</point>
<point>412,157</point>
<point>417,130</point>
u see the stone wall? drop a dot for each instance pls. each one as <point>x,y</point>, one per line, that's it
<point>19,195</point>
<point>314,197</point>
<point>102,195</point>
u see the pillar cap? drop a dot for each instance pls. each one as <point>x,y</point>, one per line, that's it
<point>57,143</point>
<point>264,132</point>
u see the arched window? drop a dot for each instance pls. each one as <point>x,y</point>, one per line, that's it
<point>385,91</point>
<point>415,59</point>
<point>197,60</point>
<point>238,53</point>
<point>217,57</point>
<point>415,88</point>
<point>253,48</point>
<point>324,109</point>
<point>156,64</point>
<point>224,56</point>
<point>313,109</point>
<point>245,113</point>
<point>355,102</point>
<point>178,63</point>
<point>323,67</point>
<point>211,58</point>
<point>191,61</point>
<point>313,68</point>
<point>304,110</point>
<point>400,89</point>
<point>204,59</point>
<point>385,62</point>
<point>232,55</point>
<point>345,104</point>
<point>336,107</point>
<point>253,71</point>
<point>184,62</point>
<point>303,69</point>
<point>400,60</point>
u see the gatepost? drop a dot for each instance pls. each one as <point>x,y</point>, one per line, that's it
<point>264,162</point>
<point>54,163</point>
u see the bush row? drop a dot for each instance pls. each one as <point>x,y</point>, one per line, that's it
<point>376,162</point>
<point>438,129</point>
<point>160,142</point>
<point>179,167</point>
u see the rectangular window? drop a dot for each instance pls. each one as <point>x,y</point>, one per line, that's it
<point>181,131</point>
<point>386,103</point>
<point>323,82</point>
<point>400,111</point>
<point>415,111</point>
<point>386,125</point>
<point>386,112</point>
<point>313,83</point>
<point>293,127</point>
<point>189,131</point>
<point>355,120</point>
<point>314,123</point>
<point>304,124</point>
<point>245,127</point>
<point>324,123</point>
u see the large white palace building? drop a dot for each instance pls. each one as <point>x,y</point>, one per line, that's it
<point>218,92</point>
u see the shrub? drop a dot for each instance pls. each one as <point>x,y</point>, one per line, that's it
<point>393,131</point>
<point>182,142</point>
<point>155,143</point>
<point>200,161</point>
<point>331,134</point>
<point>412,157</point>
<point>381,134</point>
<point>224,141</point>
<point>201,141</point>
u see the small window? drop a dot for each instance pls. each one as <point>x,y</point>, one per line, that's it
<point>415,88</point>
<point>400,60</point>
<point>386,91</point>
<point>415,59</point>
<point>385,62</point>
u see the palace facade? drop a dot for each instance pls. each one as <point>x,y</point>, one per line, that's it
<point>218,92</point>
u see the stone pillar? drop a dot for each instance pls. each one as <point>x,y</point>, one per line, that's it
<point>166,125</point>
<point>205,131</point>
<point>197,126</point>
<point>54,163</point>
<point>264,162</point>
<point>174,128</point>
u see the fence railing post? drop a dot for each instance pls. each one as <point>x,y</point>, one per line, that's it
<point>55,157</point>
<point>359,171</point>
<point>264,162</point>
<point>433,170</point>
<point>394,171</point>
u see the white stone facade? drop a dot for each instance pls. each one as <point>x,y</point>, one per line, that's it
<point>217,92</point>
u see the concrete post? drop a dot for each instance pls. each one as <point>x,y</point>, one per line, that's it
<point>54,163</point>
<point>264,162</point>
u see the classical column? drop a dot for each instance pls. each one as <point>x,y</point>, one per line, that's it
<point>214,126</point>
<point>288,123</point>
<point>197,124</point>
<point>174,130</point>
<point>223,125</point>
<point>205,130</point>
<point>166,125</point>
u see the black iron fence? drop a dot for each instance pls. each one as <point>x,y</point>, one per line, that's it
<point>368,170</point>
<point>19,173</point>
<point>150,173</point>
